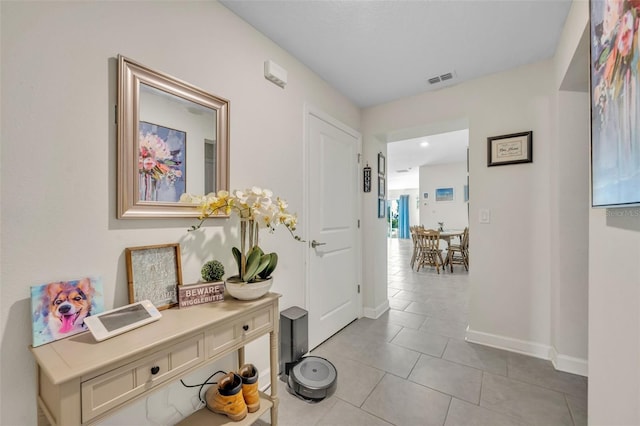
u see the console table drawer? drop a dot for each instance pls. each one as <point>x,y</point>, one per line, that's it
<point>115,387</point>
<point>224,337</point>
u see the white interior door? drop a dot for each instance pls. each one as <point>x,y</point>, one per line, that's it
<point>333,213</point>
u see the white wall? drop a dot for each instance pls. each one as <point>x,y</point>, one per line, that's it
<point>614,317</point>
<point>452,213</point>
<point>613,277</point>
<point>511,309</point>
<point>569,234</point>
<point>58,169</point>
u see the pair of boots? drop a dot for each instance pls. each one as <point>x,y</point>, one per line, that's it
<point>236,394</point>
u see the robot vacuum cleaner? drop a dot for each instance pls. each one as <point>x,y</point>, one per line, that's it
<point>312,378</point>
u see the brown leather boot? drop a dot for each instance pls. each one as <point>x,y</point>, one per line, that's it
<point>249,375</point>
<point>226,398</point>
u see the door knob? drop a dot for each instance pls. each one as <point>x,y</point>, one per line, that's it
<point>315,244</point>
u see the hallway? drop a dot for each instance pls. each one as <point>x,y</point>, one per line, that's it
<point>413,367</point>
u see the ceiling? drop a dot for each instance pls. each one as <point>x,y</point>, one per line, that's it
<point>404,158</point>
<point>375,52</point>
<point>378,51</point>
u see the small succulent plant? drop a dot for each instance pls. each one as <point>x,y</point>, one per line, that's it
<point>213,270</point>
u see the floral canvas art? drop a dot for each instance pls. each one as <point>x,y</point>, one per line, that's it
<point>161,163</point>
<point>615,103</point>
<point>58,309</point>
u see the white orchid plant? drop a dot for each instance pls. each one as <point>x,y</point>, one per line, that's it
<point>256,209</point>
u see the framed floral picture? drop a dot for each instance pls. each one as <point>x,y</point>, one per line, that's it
<point>161,163</point>
<point>154,273</point>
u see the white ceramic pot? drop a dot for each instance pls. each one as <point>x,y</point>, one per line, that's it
<point>247,291</point>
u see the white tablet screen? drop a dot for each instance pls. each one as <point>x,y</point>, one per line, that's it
<point>115,320</point>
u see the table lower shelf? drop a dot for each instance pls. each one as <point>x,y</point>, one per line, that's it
<point>209,418</point>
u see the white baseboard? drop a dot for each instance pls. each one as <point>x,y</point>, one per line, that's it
<point>560,362</point>
<point>375,313</point>
<point>569,364</point>
<point>509,344</point>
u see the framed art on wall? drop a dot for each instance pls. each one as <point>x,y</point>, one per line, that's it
<point>154,273</point>
<point>58,309</point>
<point>444,194</point>
<point>510,149</point>
<point>382,164</point>
<point>161,162</point>
<point>158,115</point>
<point>615,104</point>
<point>381,207</point>
<point>381,186</point>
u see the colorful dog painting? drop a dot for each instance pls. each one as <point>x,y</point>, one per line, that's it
<point>59,308</point>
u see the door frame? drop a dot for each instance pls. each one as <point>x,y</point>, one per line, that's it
<point>308,111</point>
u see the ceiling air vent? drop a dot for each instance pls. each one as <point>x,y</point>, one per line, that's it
<point>441,78</point>
<point>402,171</point>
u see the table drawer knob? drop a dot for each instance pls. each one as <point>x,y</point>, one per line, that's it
<point>155,370</point>
<point>245,327</point>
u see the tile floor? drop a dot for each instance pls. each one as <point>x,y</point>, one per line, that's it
<point>413,367</point>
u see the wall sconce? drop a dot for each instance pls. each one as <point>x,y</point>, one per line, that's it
<point>275,73</point>
<point>366,178</point>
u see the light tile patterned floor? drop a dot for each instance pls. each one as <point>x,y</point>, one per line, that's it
<point>412,366</point>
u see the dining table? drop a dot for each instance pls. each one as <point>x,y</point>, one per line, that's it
<point>448,234</point>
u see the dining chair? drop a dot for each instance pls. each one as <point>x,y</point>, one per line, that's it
<point>413,230</point>
<point>429,251</point>
<point>459,253</point>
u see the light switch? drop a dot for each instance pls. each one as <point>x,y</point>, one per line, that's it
<point>485,216</point>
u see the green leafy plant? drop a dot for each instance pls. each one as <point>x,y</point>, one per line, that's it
<point>258,264</point>
<point>213,270</point>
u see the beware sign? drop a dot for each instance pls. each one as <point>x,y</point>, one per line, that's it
<point>197,294</point>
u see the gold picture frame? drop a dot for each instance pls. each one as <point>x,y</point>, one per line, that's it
<point>147,172</point>
<point>154,273</point>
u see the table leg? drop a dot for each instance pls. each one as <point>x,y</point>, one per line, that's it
<point>273,340</point>
<point>240,358</point>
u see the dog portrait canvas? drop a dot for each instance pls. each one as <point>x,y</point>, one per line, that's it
<point>59,308</point>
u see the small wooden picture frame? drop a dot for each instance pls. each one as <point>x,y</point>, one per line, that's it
<point>154,273</point>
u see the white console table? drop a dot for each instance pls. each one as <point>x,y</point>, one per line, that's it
<point>81,381</point>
